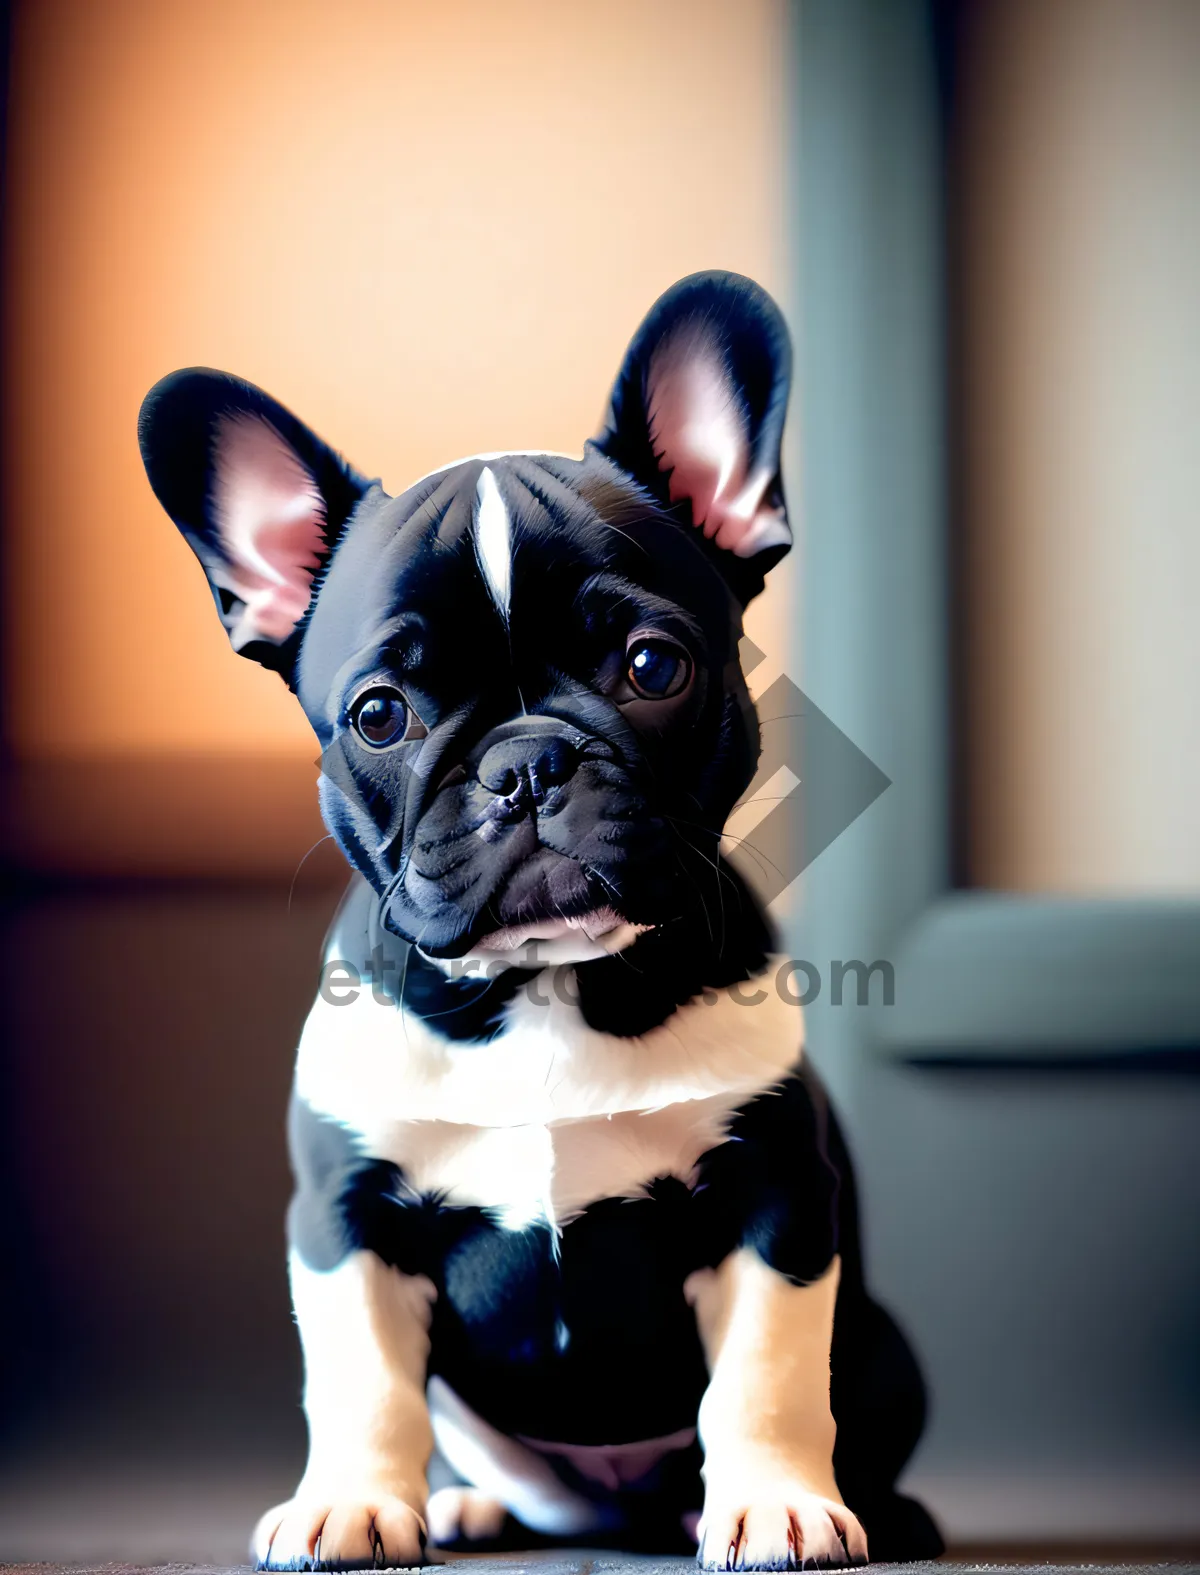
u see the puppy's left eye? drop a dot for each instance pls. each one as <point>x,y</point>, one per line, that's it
<point>657,667</point>
<point>381,716</point>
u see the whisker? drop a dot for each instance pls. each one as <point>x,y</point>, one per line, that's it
<point>733,837</point>
<point>328,837</point>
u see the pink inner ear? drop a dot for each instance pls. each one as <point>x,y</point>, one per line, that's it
<point>699,434</point>
<point>270,517</point>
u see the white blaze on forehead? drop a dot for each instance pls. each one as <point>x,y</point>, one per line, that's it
<point>493,540</point>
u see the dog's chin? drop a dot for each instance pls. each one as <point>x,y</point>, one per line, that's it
<point>549,909</point>
<point>538,943</point>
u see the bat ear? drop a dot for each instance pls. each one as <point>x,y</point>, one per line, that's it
<point>697,412</point>
<point>258,497</point>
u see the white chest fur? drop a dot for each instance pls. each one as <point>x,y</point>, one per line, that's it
<point>549,1172</point>
<point>551,1115</point>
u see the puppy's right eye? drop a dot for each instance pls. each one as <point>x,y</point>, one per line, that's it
<point>382,717</point>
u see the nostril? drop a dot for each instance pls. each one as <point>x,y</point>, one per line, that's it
<point>555,763</point>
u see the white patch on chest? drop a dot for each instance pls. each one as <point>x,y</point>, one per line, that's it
<point>548,1174</point>
<point>552,1115</point>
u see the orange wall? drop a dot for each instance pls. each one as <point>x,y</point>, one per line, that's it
<point>428,228</point>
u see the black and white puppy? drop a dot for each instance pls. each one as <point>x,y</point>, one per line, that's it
<point>571,1221</point>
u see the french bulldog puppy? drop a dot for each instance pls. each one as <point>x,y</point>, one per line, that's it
<point>573,1237</point>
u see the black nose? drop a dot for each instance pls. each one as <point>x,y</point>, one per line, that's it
<point>529,764</point>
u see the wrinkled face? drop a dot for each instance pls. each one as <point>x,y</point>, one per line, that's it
<point>522,671</point>
<point>524,679</point>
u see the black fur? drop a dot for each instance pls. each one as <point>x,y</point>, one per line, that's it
<point>467,1007</point>
<point>589,1340</point>
<point>540,784</point>
<point>626,995</point>
<point>599,552</point>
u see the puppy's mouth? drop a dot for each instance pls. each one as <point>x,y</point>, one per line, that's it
<point>601,928</point>
<point>550,909</point>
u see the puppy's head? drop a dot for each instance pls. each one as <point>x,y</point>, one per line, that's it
<point>523,671</point>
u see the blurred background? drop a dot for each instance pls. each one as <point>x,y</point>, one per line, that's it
<point>431,230</point>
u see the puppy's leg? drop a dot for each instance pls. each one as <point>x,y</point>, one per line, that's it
<point>365,1332</point>
<point>770,1498</point>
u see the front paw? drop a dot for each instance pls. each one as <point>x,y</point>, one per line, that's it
<point>781,1530</point>
<point>367,1531</point>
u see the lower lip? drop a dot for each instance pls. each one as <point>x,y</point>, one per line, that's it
<point>593,926</point>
